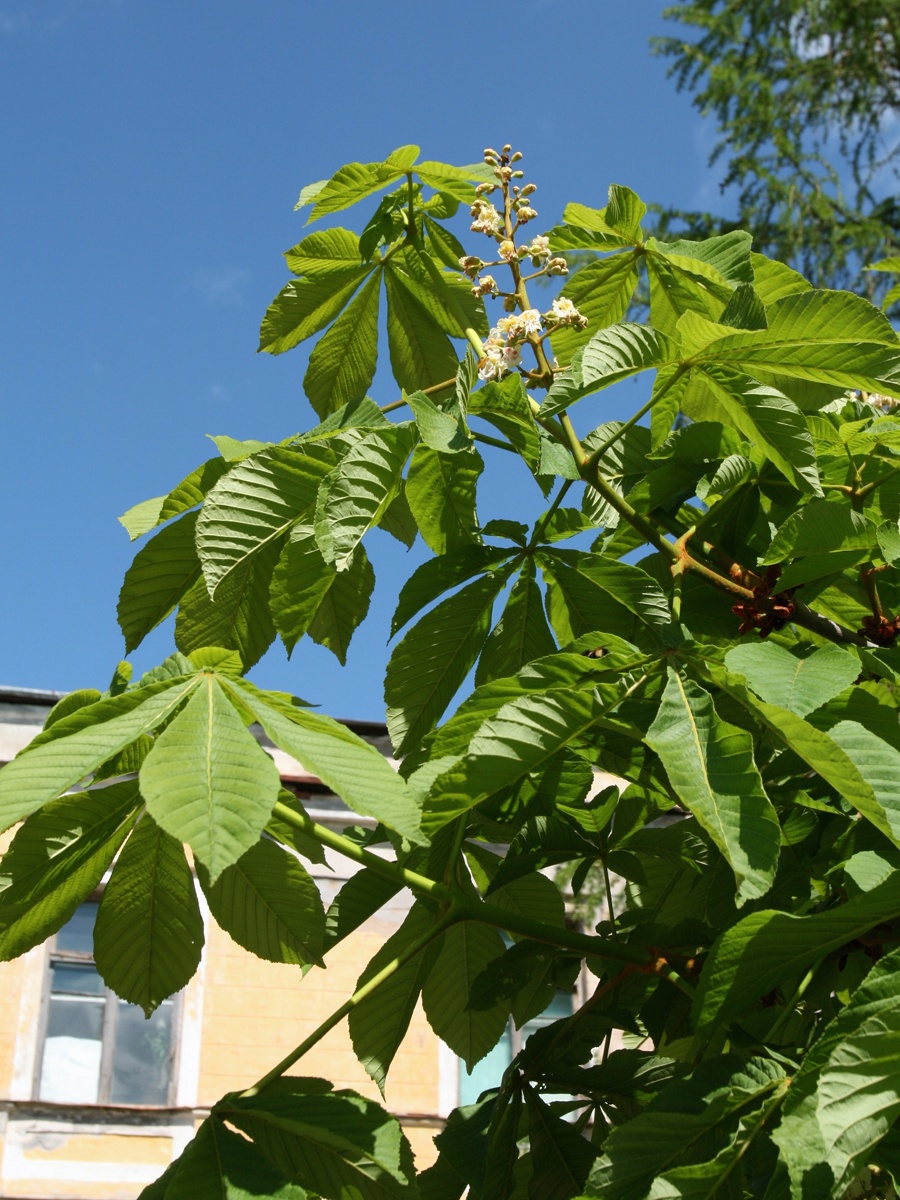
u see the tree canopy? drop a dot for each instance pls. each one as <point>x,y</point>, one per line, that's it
<point>706,608</point>
<point>806,95</point>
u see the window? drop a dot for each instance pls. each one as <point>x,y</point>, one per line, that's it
<point>488,1073</point>
<point>96,1048</point>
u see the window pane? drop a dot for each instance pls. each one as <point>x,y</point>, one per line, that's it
<point>487,1073</point>
<point>77,935</point>
<point>70,1069</point>
<point>140,1073</point>
<point>80,978</point>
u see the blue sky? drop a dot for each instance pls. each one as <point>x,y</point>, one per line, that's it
<point>152,155</point>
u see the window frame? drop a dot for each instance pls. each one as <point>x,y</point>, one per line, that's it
<point>111,1004</point>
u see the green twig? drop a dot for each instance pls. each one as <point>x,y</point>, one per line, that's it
<point>449,918</point>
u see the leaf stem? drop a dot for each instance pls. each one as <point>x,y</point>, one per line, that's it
<point>545,519</point>
<point>428,391</point>
<point>450,917</point>
<point>488,914</point>
<point>597,455</point>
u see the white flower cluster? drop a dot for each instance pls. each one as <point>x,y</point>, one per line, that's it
<point>486,219</point>
<point>564,312</point>
<point>503,346</point>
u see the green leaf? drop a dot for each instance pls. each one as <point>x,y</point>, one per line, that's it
<point>768,418</point>
<point>429,665</point>
<point>612,355</point>
<point>223,1165</point>
<point>601,291</point>
<point>438,429</point>
<point>860,766</point>
<point>149,932</point>
<point>255,504</point>
<point>328,252</point>
<point>378,1025</point>
<point>820,527</point>
<point>467,949</point>
<point>562,1158</point>
<point>238,618</point>
<point>507,407</point>
<point>337,1144</point>
<point>629,585</point>
<point>446,297</point>
<point>157,580</point>
<point>359,490</point>
<point>304,306</point>
<point>825,1140</point>
<point>344,606</point>
<point>440,574</point>
<point>454,181</point>
<point>441,491</point>
<point>353,182</point>
<point>269,904</point>
<point>799,682</point>
<point>142,517</point>
<point>577,605</point>
<point>57,859</point>
<point>308,595</point>
<point>49,768</point>
<point>353,769</point>
<point>208,782</point>
<point>532,896</point>
<point>521,634</point>
<point>421,353</point>
<point>342,364</point>
<point>232,450</point>
<point>827,337</point>
<point>679,1119</point>
<point>521,737</point>
<point>359,898</point>
<point>774,280</point>
<point>710,765</point>
<point>767,949</point>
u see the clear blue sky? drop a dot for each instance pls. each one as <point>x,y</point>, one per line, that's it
<point>152,153</point>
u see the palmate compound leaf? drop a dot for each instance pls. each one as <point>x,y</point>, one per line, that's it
<point>467,949</point>
<point>149,932</point>
<point>441,492</point>
<point>522,737</point>
<point>521,634</point>
<point>221,1165</point>
<point>441,573</point>
<point>74,747</point>
<point>614,354</point>
<point>269,903</point>
<point>358,492</point>
<point>342,364</point>
<point>193,488</point>
<point>845,1095</point>
<point>308,595</point>
<point>766,417</point>
<point>561,1157</point>
<point>378,1025</point>
<point>710,765</point>
<point>207,781</point>
<point>353,769</point>
<point>160,575</point>
<point>767,948</point>
<point>256,503</point>
<point>335,1143</point>
<point>428,666</point>
<point>679,1117</point>
<point>57,858</point>
<point>799,682</point>
<point>861,766</point>
<point>238,619</point>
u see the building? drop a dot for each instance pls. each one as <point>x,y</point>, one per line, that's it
<point>95,1102</point>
